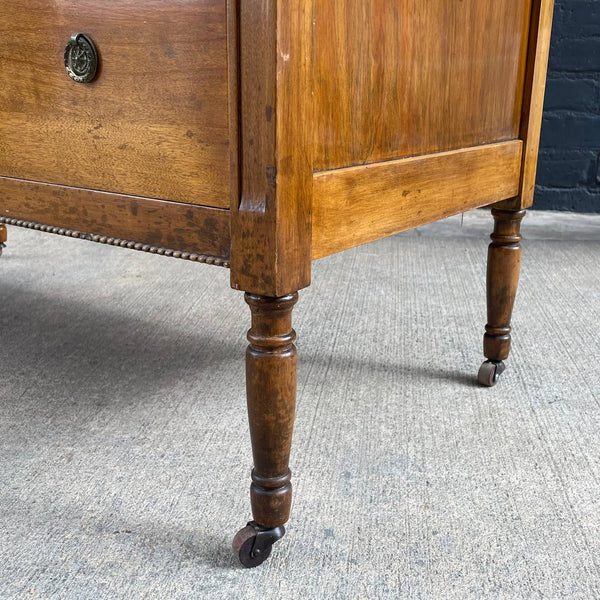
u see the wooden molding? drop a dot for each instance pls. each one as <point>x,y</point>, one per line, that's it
<point>360,204</point>
<point>111,241</point>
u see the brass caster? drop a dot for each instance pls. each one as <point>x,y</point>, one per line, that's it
<point>490,372</point>
<point>252,544</point>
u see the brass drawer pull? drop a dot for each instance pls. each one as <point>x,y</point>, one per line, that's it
<point>81,58</point>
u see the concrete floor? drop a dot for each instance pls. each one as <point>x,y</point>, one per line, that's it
<point>124,447</point>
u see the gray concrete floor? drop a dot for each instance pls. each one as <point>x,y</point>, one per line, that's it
<point>124,447</point>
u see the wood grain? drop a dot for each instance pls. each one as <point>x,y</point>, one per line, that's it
<point>271,221</point>
<point>155,120</point>
<point>533,104</point>
<point>398,78</point>
<point>503,268</point>
<point>185,227</point>
<point>271,365</point>
<point>361,204</point>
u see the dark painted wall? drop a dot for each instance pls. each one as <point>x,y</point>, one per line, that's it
<point>569,167</point>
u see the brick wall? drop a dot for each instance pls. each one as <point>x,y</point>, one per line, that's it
<point>569,166</point>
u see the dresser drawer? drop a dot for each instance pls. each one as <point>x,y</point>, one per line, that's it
<point>154,122</point>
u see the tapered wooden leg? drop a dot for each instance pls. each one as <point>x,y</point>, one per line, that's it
<point>271,361</point>
<point>504,263</point>
<point>3,237</point>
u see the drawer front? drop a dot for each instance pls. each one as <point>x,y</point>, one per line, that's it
<point>154,122</point>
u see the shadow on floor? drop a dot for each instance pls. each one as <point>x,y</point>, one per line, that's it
<point>73,349</point>
<point>72,346</point>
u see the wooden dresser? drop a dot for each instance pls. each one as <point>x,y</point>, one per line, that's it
<point>263,135</point>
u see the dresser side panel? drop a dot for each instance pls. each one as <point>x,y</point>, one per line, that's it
<point>361,204</point>
<point>399,78</point>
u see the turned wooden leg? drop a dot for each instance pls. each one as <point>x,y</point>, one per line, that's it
<point>504,263</point>
<point>271,361</point>
<point>3,237</point>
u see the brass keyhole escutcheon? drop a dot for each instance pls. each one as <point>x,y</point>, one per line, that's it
<point>81,58</point>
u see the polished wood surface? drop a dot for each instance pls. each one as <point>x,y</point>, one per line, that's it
<point>361,204</point>
<point>504,264</point>
<point>536,86</point>
<point>271,223</point>
<point>155,120</point>
<point>271,362</point>
<point>184,227</point>
<point>397,78</point>
<point>533,105</point>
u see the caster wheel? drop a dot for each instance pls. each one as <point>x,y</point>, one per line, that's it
<point>490,372</point>
<point>2,246</point>
<point>252,544</point>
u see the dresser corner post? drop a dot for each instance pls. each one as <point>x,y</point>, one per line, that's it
<point>271,364</point>
<point>503,269</point>
<point>3,237</point>
<point>271,246</point>
<point>504,257</point>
